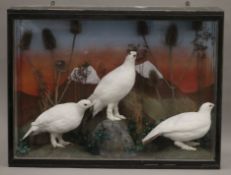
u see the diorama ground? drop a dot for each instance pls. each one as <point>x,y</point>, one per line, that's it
<point>75,151</point>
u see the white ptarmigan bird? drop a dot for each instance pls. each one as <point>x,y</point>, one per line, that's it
<point>184,128</point>
<point>113,87</point>
<point>59,119</point>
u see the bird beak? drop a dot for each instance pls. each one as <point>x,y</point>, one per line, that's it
<point>91,105</point>
<point>213,106</point>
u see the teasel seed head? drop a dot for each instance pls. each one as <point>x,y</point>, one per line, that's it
<point>141,50</point>
<point>75,27</point>
<point>60,65</point>
<point>25,40</point>
<point>49,40</point>
<point>142,28</point>
<point>85,65</point>
<point>171,35</point>
<point>132,47</point>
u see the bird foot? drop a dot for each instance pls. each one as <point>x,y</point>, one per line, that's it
<point>120,116</point>
<point>113,118</point>
<point>58,145</point>
<point>193,143</point>
<point>188,148</point>
<point>65,143</point>
<point>184,146</point>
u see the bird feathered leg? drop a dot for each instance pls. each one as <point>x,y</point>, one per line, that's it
<point>110,114</point>
<point>61,141</point>
<point>116,111</point>
<point>184,146</point>
<point>54,142</point>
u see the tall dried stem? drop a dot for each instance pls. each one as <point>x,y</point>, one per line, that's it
<point>24,45</point>
<point>171,38</point>
<point>50,44</point>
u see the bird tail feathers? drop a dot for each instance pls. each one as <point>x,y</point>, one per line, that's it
<point>151,136</point>
<point>32,129</point>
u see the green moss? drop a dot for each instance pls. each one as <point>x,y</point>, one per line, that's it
<point>22,148</point>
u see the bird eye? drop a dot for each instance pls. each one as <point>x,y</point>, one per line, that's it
<point>85,104</point>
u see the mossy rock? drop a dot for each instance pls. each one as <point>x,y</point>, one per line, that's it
<point>113,138</point>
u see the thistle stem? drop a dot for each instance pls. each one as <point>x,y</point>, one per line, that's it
<point>54,72</point>
<point>72,51</point>
<point>57,87</point>
<point>68,68</point>
<point>46,95</point>
<point>199,79</point>
<point>65,89</point>
<point>49,98</point>
<point>146,44</point>
<point>150,52</point>
<point>171,72</point>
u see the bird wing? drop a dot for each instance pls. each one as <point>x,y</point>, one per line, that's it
<point>184,122</point>
<point>108,80</point>
<point>116,81</point>
<point>56,113</point>
<point>62,125</point>
<point>180,123</point>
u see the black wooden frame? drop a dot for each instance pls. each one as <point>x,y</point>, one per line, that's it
<point>120,13</point>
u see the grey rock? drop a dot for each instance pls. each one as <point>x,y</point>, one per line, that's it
<point>112,139</point>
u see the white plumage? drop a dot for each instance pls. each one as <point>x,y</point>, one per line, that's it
<point>59,119</point>
<point>184,127</point>
<point>113,87</point>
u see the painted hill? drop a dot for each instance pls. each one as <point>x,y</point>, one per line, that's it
<point>186,72</point>
<point>145,68</point>
<point>85,75</point>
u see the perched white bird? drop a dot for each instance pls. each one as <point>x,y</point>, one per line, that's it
<point>113,87</point>
<point>184,127</point>
<point>59,119</point>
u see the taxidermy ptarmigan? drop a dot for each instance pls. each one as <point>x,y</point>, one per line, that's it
<point>184,128</point>
<point>113,87</point>
<point>59,119</point>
